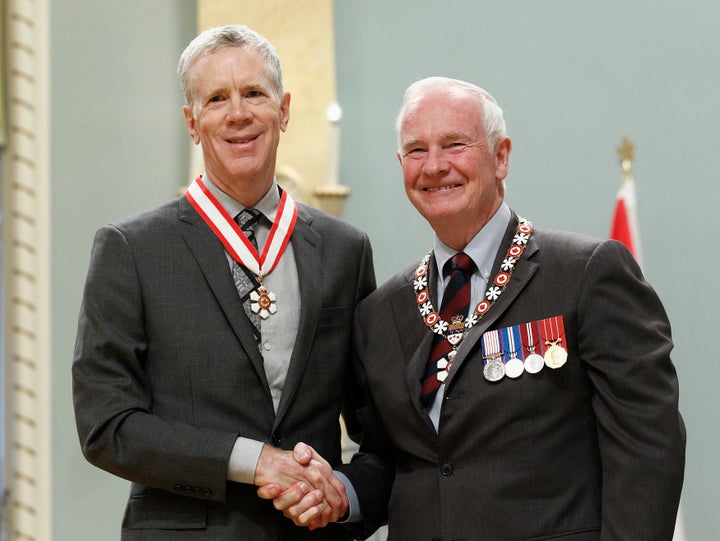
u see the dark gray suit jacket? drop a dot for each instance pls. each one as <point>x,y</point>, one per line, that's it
<point>590,451</point>
<point>167,373</point>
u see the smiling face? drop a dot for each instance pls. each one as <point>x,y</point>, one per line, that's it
<point>236,117</point>
<point>451,176</point>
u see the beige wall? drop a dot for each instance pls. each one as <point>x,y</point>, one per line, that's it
<point>302,32</point>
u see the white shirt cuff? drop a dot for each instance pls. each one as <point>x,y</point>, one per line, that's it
<point>243,460</point>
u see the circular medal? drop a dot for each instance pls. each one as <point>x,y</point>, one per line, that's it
<point>494,370</point>
<point>534,363</point>
<point>514,368</point>
<point>555,356</point>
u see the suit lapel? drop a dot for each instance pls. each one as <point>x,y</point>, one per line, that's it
<point>306,244</point>
<point>415,338</point>
<point>209,254</point>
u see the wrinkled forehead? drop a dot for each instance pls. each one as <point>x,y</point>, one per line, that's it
<point>446,113</point>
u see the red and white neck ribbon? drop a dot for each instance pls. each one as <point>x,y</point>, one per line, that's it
<point>233,238</point>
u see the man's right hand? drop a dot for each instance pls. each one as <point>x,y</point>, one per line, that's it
<point>301,485</point>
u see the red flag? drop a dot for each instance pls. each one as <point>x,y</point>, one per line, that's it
<point>624,224</point>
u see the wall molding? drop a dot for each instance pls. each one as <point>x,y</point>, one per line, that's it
<point>26,257</point>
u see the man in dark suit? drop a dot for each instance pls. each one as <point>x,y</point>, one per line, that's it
<point>201,359</point>
<point>541,402</point>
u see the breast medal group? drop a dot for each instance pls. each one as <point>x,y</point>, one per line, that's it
<point>509,351</point>
<point>527,347</point>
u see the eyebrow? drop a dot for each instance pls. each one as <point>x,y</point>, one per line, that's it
<point>450,136</point>
<point>411,142</point>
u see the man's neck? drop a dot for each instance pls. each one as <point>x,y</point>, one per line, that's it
<point>247,192</point>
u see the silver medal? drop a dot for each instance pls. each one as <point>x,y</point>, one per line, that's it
<point>514,368</point>
<point>534,363</point>
<point>494,370</point>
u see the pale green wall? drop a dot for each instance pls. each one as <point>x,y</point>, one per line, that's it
<point>118,146</point>
<point>573,78</point>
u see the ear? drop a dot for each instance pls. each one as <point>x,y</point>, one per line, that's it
<point>190,123</point>
<point>284,111</point>
<point>502,157</point>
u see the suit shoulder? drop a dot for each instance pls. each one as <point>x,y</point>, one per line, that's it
<point>559,238</point>
<point>157,219</point>
<point>577,250</point>
<point>399,282</point>
<point>162,211</point>
<point>567,243</point>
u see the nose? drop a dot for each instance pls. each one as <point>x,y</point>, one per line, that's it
<point>435,162</point>
<point>239,111</point>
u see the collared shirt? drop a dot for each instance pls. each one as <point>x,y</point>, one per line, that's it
<point>278,331</point>
<point>482,249</point>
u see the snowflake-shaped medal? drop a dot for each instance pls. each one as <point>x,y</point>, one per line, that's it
<point>262,302</point>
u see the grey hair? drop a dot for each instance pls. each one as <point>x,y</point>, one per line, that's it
<point>220,37</point>
<point>492,113</point>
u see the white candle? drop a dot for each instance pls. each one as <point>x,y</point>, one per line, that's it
<point>334,114</point>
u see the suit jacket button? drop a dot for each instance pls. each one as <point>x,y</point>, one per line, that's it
<point>276,440</point>
<point>447,469</point>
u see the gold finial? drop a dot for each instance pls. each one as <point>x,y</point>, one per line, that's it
<point>625,151</point>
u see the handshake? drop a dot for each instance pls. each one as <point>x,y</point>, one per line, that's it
<point>302,485</point>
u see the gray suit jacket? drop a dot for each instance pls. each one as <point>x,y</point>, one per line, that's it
<point>167,373</point>
<point>590,451</point>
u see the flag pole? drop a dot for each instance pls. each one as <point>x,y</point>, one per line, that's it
<point>624,223</point>
<point>626,152</point>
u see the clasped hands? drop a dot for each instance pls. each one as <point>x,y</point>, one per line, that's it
<point>302,485</point>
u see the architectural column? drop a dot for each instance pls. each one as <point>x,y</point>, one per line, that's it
<point>26,253</point>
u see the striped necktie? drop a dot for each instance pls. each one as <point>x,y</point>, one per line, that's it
<point>245,280</point>
<point>456,301</point>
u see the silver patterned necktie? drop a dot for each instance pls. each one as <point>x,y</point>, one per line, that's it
<point>245,280</point>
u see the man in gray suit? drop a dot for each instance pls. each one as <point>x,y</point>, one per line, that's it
<point>522,391</point>
<point>206,348</point>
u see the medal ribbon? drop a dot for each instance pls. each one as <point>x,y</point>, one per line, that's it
<point>232,237</point>
<point>512,341</point>
<point>553,331</point>
<point>491,346</point>
<point>530,334</point>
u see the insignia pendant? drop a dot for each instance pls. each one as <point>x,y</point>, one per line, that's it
<point>262,302</point>
<point>454,337</point>
<point>555,356</point>
<point>443,372</point>
<point>444,366</point>
<point>514,368</point>
<point>534,363</point>
<point>456,330</point>
<point>494,370</point>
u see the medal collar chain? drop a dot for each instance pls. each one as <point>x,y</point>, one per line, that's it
<point>459,325</point>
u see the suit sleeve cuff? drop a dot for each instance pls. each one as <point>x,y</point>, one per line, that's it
<point>353,514</point>
<point>243,460</point>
